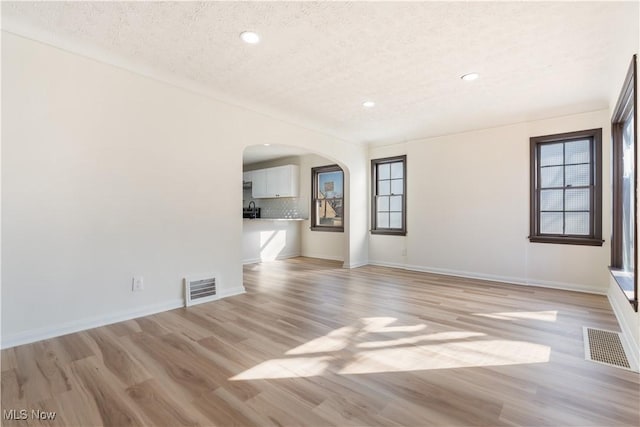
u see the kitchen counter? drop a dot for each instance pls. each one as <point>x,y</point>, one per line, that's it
<point>267,239</point>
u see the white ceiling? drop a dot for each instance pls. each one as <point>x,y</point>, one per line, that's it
<point>318,61</point>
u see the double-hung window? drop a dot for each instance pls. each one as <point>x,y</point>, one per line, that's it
<point>388,196</point>
<point>566,188</point>
<point>327,204</point>
<point>624,130</point>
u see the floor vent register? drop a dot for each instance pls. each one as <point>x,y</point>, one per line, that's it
<point>605,347</point>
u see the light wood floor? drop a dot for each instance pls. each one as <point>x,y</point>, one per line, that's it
<point>311,343</point>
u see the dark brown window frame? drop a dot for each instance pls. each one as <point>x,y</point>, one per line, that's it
<point>374,193</point>
<point>595,211</point>
<point>626,105</point>
<point>314,192</point>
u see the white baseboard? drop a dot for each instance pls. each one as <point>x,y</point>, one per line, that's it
<point>355,264</point>
<point>279,257</point>
<point>39,334</point>
<point>631,346</point>
<point>492,277</point>
<point>231,292</point>
<point>323,256</point>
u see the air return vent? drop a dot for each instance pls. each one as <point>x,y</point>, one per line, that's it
<point>199,289</point>
<point>604,347</point>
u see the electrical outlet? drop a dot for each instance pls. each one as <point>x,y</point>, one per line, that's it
<point>137,284</point>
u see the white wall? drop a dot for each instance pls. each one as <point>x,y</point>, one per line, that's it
<point>107,174</point>
<point>317,244</point>
<point>468,209</point>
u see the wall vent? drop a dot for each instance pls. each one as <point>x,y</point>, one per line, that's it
<point>604,347</point>
<point>200,289</point>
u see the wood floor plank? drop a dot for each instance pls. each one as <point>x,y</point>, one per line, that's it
<point>116,358</point>
<point>312,343</point>
<point>8,360</point>
<point>158,406</point>
<point>108,395</point>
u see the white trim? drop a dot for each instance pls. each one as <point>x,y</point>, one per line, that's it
<point>492,277</point>
<point>355,264</point>
<point>279,257</point>
<point>323,256</point>
<point>628,339</point>
<point>39,334</point>
<point>231,292</point>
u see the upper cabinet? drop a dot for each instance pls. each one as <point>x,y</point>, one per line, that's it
<point>281,181</point>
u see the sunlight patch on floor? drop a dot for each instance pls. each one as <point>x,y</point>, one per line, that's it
<point>545,316</point>
<point>286,368</point>
<point>333,341</point>
<point>441,336</point>
<point>380,324</point>
<point>447,356</point>
<point>359,349</point>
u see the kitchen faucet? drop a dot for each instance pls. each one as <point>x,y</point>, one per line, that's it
<point>254,205</point>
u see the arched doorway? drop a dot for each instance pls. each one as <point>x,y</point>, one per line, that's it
<point>284,228</point>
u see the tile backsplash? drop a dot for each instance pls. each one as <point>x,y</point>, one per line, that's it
<point>281,207</point>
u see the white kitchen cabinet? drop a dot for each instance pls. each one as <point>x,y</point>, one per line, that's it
<point>281,181</point>
<point>259,183</point>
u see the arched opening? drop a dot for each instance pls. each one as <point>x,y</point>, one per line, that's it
<point>278,226</point>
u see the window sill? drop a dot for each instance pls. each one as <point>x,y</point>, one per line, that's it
<point>566,240</point>
<point>389,232</point>
<point>626,282</point>
<point>332,229</point>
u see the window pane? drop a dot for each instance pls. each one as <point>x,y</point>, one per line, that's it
<point>577,199</point>
<point>330,184</point>
<point>396,186</point>
<point>396,203</point>
<point>551,200</point>
<point>551,177</point>
<point>384,171</point>
<point>397,170</point>
<point>384,187</point>
<point>329,212</point>
<point>628,202</point>
<point>578,175</point>
<point>551,154</point>
<point>383,220</point>
<point>550,223</point>
<point>577,152</point>
<point>383,203</point>
<point>395,220</point>
<point>577,223</point>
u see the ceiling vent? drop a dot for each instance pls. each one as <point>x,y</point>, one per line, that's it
<point>198,290</point>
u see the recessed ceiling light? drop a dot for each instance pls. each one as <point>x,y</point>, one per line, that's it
<point>368,104</point>
<point>266,145</point>
<point>470,77</point>
<point>250,37</point>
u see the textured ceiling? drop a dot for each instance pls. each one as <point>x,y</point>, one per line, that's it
<point>317,62</point>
